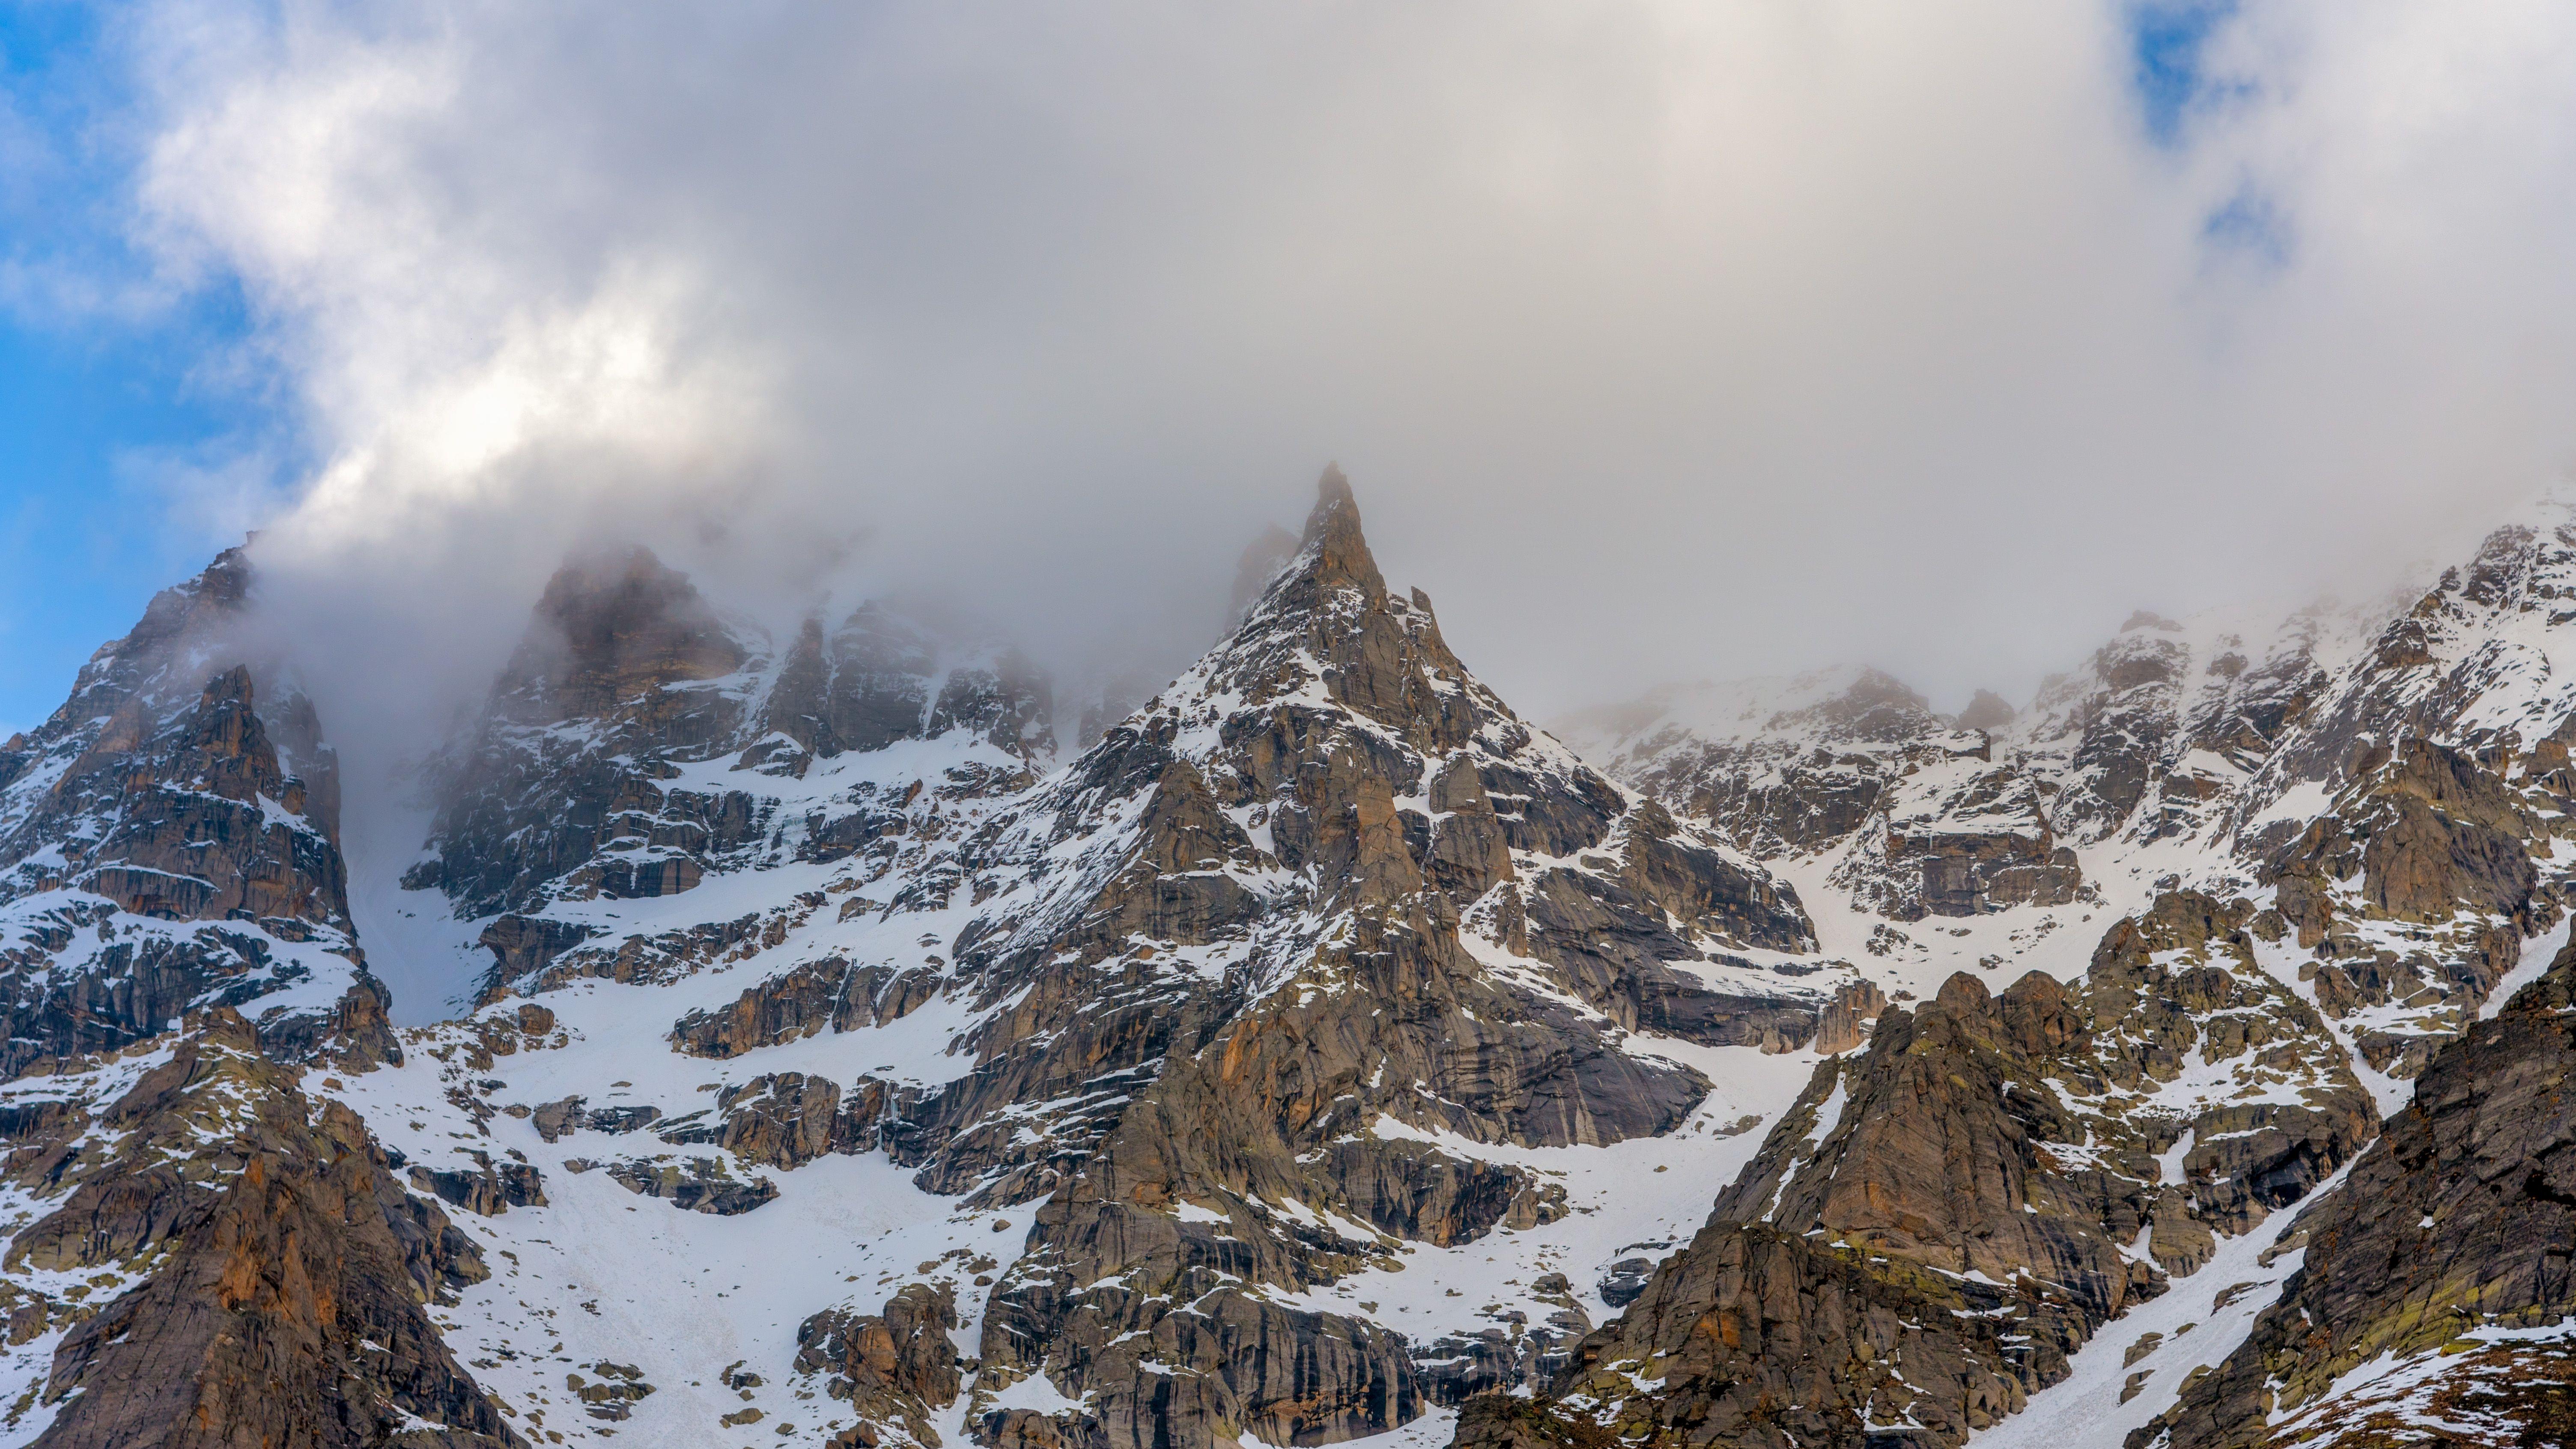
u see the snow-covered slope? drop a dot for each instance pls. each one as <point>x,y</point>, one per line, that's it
<point>1319,1050</point>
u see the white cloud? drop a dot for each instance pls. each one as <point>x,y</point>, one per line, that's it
<point>1661,339</point>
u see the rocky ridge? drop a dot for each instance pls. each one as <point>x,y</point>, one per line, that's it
<point>2431,1299</point>
<point>638,742</point>
<point>2364,890</point>
<point>169,843</point>
<point>1943,1219</point>
<point>1320,961</point>
<point>208,1255</point>
<point>1319,1050</point>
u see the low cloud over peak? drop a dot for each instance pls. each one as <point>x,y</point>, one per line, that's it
<point>1661,342</point>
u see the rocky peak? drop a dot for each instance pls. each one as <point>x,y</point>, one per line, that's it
<point>169,840</point>
<point>1329,619</point>
<point>1916,814</point>
<point>1989,711</point>
<point>1779,767</point>
<point>640,742</point>
<point>1877,706</point>
<point>1332,553</point>
<point>179,627</point>
<point>609,635</point>
<point>2162,730</point>
<point>891,673</point>
<point>1324,879</point>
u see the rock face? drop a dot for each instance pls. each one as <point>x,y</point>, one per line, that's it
<point>2349,822</point>
<point>1941,1221</point>
<point>827,993</point>
<point>270,1274</point>
<point>169,841</point>
<point>895,1367</point>
<point>638,742</point>
<point>1306,891</point>
<point>2434,1293</point>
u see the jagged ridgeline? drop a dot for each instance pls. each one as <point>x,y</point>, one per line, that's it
<point>169,842</point>
<point>203,1250</point>
<point>1307,1049</point>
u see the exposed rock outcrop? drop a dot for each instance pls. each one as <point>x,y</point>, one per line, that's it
<point>1943,1219</point>
<point>1842,1025</point>
<point>695,1184</point>
<point>169,840</point>
<point>894,1367</point>
<point>830,993</point>
<point>2435,1284</point>
<point>278,1273</point>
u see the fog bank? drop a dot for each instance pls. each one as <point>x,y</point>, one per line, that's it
<point>1661,341</point>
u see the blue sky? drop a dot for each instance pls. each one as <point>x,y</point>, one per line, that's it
<point>99,406</point>
<point>2166,40</point>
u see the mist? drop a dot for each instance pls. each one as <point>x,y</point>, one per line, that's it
<point>1660,341</point>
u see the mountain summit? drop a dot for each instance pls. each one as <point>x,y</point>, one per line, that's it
<point>1323,1053</point>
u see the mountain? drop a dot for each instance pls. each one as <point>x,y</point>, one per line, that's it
<point>169,842</point>
<point>637,744</point>
<point>2332,842</point>
<point>1321,1051</point>
<point>203,1252</point>
<point>1323,909</point>
<point>1320,962</point>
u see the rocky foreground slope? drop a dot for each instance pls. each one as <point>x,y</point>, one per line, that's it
<point>2433,1297</point>
<point>1324,1052</point>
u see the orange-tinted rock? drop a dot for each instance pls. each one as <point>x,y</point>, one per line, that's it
<point>286,1303</point>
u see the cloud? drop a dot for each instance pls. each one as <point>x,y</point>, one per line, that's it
<point>1661,340</point>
